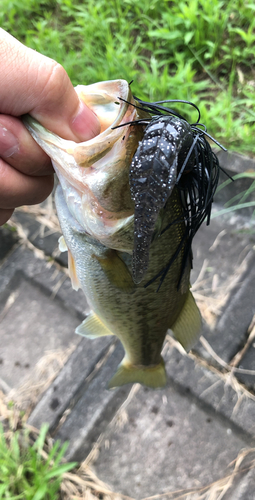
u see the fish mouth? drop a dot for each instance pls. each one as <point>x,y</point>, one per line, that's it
<point>94,174</point>
<point>113,104</point>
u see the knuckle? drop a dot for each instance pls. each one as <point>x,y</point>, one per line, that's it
<point>55,82</point>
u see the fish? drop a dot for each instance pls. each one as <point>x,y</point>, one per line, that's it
<point>124,207</point>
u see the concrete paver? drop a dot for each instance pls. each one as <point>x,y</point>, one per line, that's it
<point>168,442</point>
<point>33,324</point>
<point>215,390</point>
<point>230,331</point>
<point>230,263</point>
<point>34,314</point>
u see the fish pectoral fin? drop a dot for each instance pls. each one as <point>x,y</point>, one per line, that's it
<point>151,376</point>
<point>187,327</point>
<point>116,271</point>
<point>71,264</point>
<point>72,272</point>
<point>92,327</point>
<point>62,244</point>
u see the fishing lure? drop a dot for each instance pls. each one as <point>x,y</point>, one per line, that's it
<point>172,153</point>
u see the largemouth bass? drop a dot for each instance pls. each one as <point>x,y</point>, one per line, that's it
<point>104,230</point>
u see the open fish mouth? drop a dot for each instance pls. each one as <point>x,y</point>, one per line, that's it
<point>94,174</point>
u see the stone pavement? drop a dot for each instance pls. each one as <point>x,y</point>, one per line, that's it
<point>139,441</point>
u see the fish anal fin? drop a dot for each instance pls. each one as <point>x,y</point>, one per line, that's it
<point>116,271</point>
<point>92,327</point>
<point>187,327</point>
<point>72,272</point>
<point>151,376</point>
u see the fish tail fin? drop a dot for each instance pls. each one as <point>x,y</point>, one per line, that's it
<point>151,376</point>
<point>187,327</point>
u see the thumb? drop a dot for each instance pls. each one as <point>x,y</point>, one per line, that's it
<point>35,84</point>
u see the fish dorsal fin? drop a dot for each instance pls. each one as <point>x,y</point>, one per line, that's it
<point>187,327</point>
<point>92,327</point>
<point>151,376</point>
<point>116,271</point>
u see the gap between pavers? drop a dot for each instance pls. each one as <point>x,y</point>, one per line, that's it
<point>73,380</point>
<point>94,410</point>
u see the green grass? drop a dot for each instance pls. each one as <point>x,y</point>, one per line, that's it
<point>27,472</point>
<point>244,199</point>
<point>186,49</point>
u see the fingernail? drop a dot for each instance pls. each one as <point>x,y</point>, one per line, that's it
<point>8,143</point>
<point>86,124</point>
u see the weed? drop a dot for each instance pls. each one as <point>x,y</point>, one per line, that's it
<point>27,471</point>
<point>244,199</point>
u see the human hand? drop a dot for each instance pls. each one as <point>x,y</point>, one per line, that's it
<point>32,83</point>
